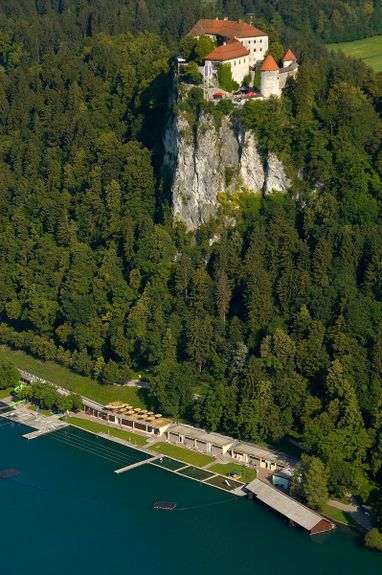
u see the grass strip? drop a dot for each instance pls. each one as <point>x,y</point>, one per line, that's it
<point>63,376</point>
<point>100,427</point>
<point>186,455</point>
<point>247,474</point>
<point>338,515</point>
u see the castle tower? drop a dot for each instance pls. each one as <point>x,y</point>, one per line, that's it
<point>289,58</point>
<point>269,77</point>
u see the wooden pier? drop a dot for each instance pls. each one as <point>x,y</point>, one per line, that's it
<point>138,464</point>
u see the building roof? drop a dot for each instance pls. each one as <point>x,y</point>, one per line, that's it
<point>269,64</point>
<point>233,49</point>
<point>225,28</point>
<point>290,68</point>
<point>261,453</point>
<point>156,423</point>
<point>289,56</point>
<point>284,474</point>
<point>201,435</point>
<point>284,504</point>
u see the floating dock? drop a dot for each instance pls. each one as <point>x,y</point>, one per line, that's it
<point>7,473</point>
<point>165,505</point>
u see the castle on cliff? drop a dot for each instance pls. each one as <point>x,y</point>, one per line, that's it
<point>245,49</point>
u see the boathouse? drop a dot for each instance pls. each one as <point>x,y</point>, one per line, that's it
<point>193,438</point>
<point>260,457</point>
<point>296,513</point>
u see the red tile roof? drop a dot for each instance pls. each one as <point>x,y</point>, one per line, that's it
<point>269,64</point>
<point>289,56</point>
<point>233,49</point>
<point>225,28</point>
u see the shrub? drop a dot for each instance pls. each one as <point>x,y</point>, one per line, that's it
<point>226,82</point>
<point>190,73</point>
<point>373,539</point>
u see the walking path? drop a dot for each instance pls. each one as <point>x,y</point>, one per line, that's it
<point>355,510</point>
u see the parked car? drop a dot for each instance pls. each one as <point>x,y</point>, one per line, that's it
<point>218,95</point>
<point>251,94</point>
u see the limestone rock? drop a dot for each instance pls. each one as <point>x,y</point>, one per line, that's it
<point>276,178</point>
<point>251,173</point>
<point>202,161</point>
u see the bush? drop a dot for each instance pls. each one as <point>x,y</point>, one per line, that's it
<point>226,82</point>
<point>247,80</point>
<point>190,73</point>
<point>373,539</point>
<point>225,107</point>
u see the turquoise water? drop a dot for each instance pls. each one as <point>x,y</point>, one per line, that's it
<point>67,512</point>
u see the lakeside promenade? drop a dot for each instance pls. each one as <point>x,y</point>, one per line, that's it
<point>203,475</point>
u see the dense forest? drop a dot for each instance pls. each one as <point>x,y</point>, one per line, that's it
<point>42,26</point>
<point>277,326</point>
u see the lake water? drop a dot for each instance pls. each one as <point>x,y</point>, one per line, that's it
<point>68,513</point>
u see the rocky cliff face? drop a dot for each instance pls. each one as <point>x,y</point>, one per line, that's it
<point>204,161</point>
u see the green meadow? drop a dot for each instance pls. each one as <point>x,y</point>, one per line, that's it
<point>369,50</point>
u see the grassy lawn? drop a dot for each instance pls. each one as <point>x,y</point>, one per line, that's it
<point>338,515</point>
<point>186,455</point>
<point>246,474</point>
<point>369,50</point>
<point>73,381</point>
<point>5,392</point>
<point>99,427</point>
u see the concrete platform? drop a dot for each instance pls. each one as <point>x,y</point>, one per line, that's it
<point>41,424</point>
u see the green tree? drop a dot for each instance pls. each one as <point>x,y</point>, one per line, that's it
<point>9,375</point>
<point>373,539</point>
<point>310,481</point>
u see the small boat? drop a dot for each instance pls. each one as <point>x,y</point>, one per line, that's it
<point>227,482</point>
<point>165,505</point>
<point>6,473</point>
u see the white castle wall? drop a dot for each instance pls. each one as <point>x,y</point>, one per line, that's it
<point>257,46</point>
<point>270,84</point>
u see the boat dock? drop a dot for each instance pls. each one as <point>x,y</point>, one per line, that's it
<point>135,465</point>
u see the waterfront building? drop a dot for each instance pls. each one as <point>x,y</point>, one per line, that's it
<point>296,513</point>
<point>260,457</point>
<point>126,416</point>
<point>193,438</point>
